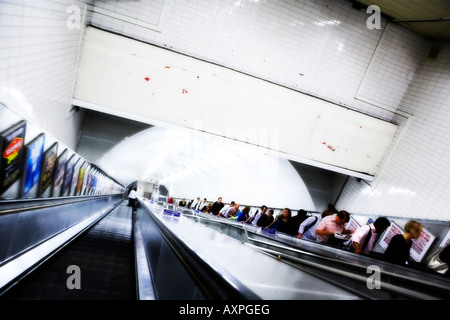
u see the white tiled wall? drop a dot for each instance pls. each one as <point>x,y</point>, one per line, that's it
<point>393,67</point>
<point>37,63</point>
<point>415,180</point>
<point>320,47</point>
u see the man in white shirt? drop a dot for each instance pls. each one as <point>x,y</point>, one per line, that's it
<point>202,204</point>
<point>261,213</point>
<point>196,204</point>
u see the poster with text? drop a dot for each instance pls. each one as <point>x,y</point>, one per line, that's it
<point>61,164</point>
<point>33,161</point>
<point>352,225</point>
<point>420,246</point>
<point>446,241</point>
<point>12,149</point>
<point>390,232</point>
<point>48,168</point>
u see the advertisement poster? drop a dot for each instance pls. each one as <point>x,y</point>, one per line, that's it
<point>75,176</point>
<point>390,232</point>
<point>68,174</point>
<point>12,148</point>
<point>352,224</point>
<point>90,182</point>
<point>80,179</point>
<point>61,164</point>
<point>48,168</point>
<point>421,246</point>
<point>87,169</point>
<point>33,160</point>
<point>446,241</point>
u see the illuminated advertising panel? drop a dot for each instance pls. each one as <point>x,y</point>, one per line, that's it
<point>48,168</point>
<point>33,161</point>
<point>61,165</point>
<point>12,149</point>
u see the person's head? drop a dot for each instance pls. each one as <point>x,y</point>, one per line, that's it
<point>342,217</point>
<point>219,200</point>
<point>270,212</point>
<point>263,209</point>
<point>326,212</point>
<point>198,198</point>
<point>232,204</point>
<point>287,212</point>
<point>208,205</point>
<point>301,213</point>
<point>414,228</point>
<point>381,224</point>
<point>204,199</point>
<point>246,210</point>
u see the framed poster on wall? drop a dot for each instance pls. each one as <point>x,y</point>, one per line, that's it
<point>68,174</point>
<point>446,241</point>
<point>12,149</point>
<point>48,168</point>
<point>80,180</point>
<point>61,164</point>
<point>352,224</point>
<point>33,161</point>
<point>420,247</point>
<point>75,176</point>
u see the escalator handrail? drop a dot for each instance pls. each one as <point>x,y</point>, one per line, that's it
<point>56,202</point>
<point>349,275</point>
<point>343,263</point>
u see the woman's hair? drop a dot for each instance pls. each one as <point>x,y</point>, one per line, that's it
<point>246,210</point>
<point>289,210</point>
<point>413,227</point>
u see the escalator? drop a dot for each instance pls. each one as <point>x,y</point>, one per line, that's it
<point>104,254</point>
<point>339,268</point>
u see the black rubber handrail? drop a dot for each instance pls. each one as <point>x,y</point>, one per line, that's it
<point>287,250</point>
<point>21,205</point>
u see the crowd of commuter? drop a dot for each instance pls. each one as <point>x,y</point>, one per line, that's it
<point>327,228</point>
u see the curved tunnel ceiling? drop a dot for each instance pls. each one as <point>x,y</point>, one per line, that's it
<point>191,163</point>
